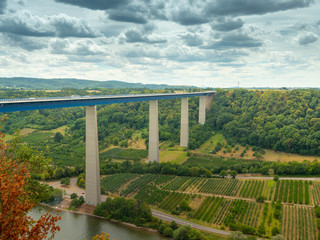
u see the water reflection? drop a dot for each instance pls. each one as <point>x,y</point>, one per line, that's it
<point>77,226</point>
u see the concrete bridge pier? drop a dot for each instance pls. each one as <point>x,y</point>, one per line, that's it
<point>153,131</point>
<point>184,128</point>
<point>209,99</point>
<point>202,109</point>
<point>93,192</point>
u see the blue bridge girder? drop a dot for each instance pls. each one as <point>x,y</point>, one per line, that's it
<point>13,105</point>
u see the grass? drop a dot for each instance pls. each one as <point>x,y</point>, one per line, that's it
<point>269,155</point>
<point>37,137</point>
<point>269,188</point>
<point>173,156</point>
<point>124,153</point>
<point>212,142</point>
<point>136,141</point>
<point>7,137</point>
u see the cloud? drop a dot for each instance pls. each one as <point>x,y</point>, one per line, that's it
<point>307,39</point>
<point>143,35</point>
<point>224,24</point>
<point>127,16</point>
<point>66,26</point>
<point>234,40</point>
<point>188,17</point>
<point>252,7</point>
<point>25,43</point>
<point>3,5</point>
<point>25,24</point>
<point>192,39</point>
<point>62,25</point>
<point>80,47</point>
<point>96,4</point>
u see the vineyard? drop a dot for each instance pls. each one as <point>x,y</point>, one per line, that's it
<point>172,201</point>
<point>113,183</point>
<point>292,191</point>
<point>253,188</point>
<point>298,223</point>
<point>228,187</point>
<point>217,209</point>
<point>316,193</point>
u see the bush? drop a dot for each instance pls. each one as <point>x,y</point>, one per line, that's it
<point>317,211</point>
<point>275,231</point>
<point>162,227</point>
<point>174,225</point>
<point>275,178</point>
<point>187,233</point>
<point>261,230</point>
<point>278,237</point>
<point>65,181</point>
<point>73,196</point>
<point>318,224</point>
<point>260,199</point>
<point>168,232</point>
<point>184,205</point>
<point>277,214</point>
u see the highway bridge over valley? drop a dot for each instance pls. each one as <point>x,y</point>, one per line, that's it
<point>93,195</point>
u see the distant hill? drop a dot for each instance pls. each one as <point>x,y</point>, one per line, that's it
<point>59,83</point>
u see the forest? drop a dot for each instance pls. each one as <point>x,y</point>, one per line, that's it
<point>287,121</point>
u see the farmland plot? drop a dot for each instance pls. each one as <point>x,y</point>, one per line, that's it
<point>298,223</point>
<point>228,187</point>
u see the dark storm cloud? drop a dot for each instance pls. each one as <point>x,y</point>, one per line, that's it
<point>234,41</point>
<point>3,5</point>
<point>192,39</point>
<point>250,7</point>
<point>226,24</point>
<point>56,26</point>
<point>96,4</point>
<point>307,39</point>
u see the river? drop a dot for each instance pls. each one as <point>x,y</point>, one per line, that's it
<point>76,226</point>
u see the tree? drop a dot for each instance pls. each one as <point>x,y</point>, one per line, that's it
<point>223,173</point>
<point>73,196</point>
<point>15,202</point>
<point>278,237</point>
<point>103,236</point>
<point>275,178</point>
<point>65,181</point>
<point>237,236</point>
<point>174,225</point>
<point>260,199</point>
<point>233,173</point>
<point>168,232</point>
<point>58,137</point>
<point>187,233</point>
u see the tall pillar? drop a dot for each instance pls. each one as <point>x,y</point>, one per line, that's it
<point>93,192</point>
<point>153,131</point>
<point>202,109</point>
<point>209,99</point>
<point>184,128</point>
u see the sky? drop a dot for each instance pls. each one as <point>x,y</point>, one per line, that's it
<point>205,43</point>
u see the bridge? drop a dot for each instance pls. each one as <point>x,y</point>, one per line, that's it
<point>93,193</point>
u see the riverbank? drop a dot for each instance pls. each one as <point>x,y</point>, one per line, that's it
<point>88,210</point>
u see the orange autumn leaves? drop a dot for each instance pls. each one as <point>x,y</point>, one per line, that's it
<point>15,203</point>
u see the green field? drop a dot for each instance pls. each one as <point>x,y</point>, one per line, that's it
<point>173,156</point>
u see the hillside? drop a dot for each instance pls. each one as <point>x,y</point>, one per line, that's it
<point>50,84</point>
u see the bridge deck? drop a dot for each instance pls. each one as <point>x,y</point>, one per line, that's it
<point>12,105</point>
